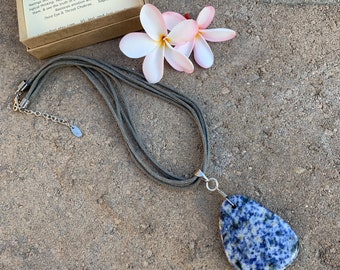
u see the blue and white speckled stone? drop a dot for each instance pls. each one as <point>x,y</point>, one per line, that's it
<point>255,238</point>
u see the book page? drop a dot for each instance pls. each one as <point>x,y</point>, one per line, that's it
<point>43,16</point>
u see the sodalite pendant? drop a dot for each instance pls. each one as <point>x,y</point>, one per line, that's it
<point>255,238</point>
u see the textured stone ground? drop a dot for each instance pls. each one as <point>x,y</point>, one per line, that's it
<point>272,104</point>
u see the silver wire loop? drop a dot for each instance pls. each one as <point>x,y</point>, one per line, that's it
<point>212,185</point>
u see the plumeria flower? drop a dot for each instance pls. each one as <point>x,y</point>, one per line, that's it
<point>202,51</point>
<point>156,44</point>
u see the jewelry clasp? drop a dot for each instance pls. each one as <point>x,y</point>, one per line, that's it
<point>18,103</point>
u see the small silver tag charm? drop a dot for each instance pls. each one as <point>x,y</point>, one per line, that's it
<point>76,131</point>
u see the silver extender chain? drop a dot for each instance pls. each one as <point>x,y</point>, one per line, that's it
<point>45,115</point>
<point>74,129</point>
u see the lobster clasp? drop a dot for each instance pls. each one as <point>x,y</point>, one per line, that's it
<point>16,103</point>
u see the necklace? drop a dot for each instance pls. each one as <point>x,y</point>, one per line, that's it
<point>253,237</point>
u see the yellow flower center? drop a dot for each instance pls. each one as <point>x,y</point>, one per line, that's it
<point>163,39</point>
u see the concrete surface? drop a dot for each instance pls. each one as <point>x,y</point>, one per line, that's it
<point>272,104</point>
<point>302,2</point>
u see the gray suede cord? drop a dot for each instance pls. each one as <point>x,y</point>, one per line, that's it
<point>108,79</point>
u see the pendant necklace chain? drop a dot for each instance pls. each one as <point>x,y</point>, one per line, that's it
<point>253,237</point>
<point>212,184</point>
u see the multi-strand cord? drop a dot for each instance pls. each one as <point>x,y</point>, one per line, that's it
<point>108,79</point>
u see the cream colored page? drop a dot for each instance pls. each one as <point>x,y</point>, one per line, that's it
<point>44,16</point>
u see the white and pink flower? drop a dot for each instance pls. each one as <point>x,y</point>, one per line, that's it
<point>156,44</point>
<point>186,35</point>
<point>202,52</point>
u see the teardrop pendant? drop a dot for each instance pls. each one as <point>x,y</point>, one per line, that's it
<point>254,237</point>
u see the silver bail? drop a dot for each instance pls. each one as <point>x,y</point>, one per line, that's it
<point>212,185</point>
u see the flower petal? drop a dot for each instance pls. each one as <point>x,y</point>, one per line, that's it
<point>153,22</point>
<point>202,53</point>
<point>178,60</point>
<point>172,19</point>
<point>136,45</point>
<point>183,32</point>
<point>186,48</point>
<point>218,34</point>
<point>205,17</point>
<point>153,65</point>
